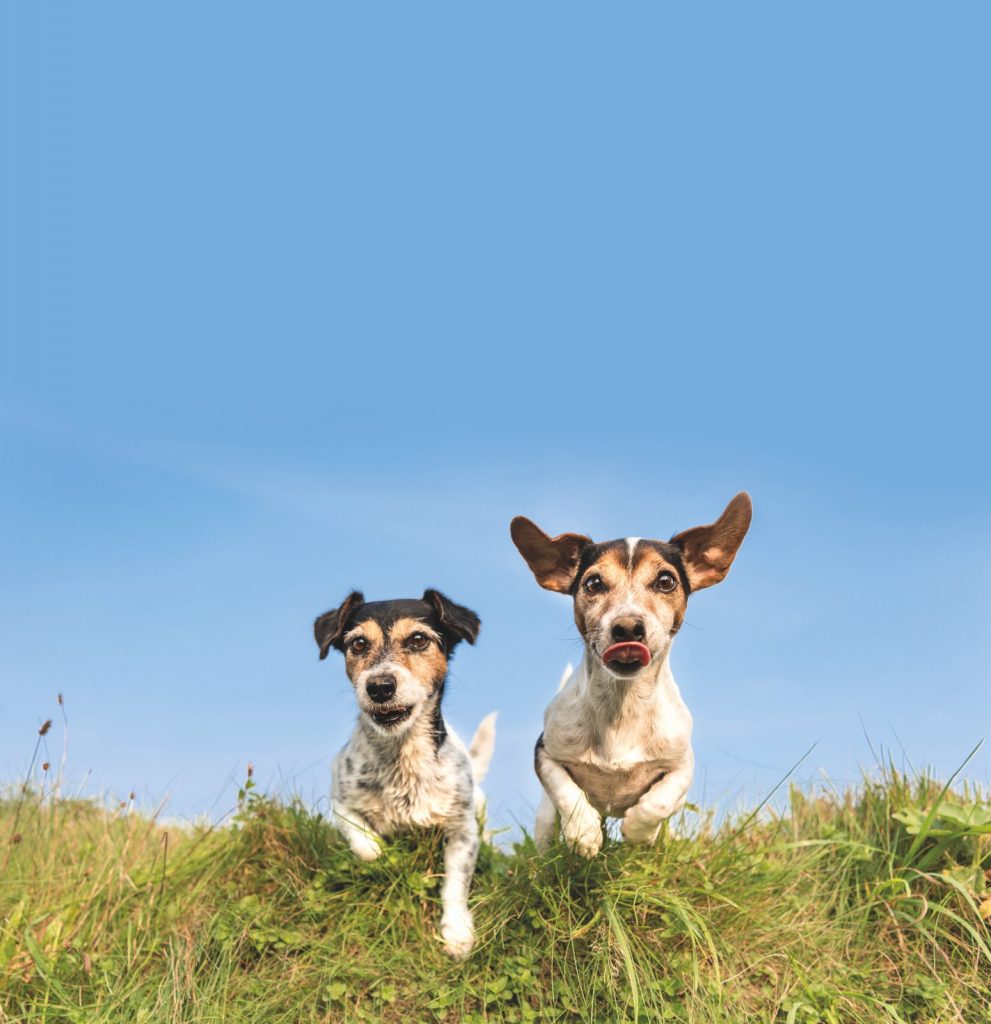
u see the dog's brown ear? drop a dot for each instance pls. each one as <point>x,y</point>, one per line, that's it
<point>457,622</point>
<point>709,550</point>
<point>329,628</point>
<point>553,560</point>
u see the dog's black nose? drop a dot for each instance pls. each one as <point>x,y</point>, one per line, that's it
<point>381,688</point>
<point>629,627</point>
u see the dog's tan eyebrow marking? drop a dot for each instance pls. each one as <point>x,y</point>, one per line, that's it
<point>655,561</point>
<point>614,555</point>
<point>368,628</point>
<point>405,627</point>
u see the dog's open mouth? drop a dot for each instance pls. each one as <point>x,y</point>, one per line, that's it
<point>627,657</point>
<point>391,714</point>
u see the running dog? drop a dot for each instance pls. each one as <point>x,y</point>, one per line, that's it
<point>617,737</point>
<point>403,767</point>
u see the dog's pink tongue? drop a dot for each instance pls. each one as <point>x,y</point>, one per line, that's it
<point>627,653</point>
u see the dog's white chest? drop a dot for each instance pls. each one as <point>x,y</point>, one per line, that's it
<point>419,787</point>
<point>616,752</point>
<point>614,789</point>
<point>404,802</point>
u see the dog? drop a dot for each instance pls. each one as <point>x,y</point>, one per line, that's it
<point>403,767</point>
<point>617,737</point>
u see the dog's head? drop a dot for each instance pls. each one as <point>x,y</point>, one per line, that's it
<point>396,652</point>
<point>630,595</point>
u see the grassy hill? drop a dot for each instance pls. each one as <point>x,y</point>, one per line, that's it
<point>857,906</point>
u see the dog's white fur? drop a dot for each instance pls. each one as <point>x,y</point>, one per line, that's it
<point>615,743</point>
<point>602,742</point>
<point>389,782</point>
<point>605,737</point>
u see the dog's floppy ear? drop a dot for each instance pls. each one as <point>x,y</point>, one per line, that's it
<point>457,622</point>
<point>329,628</point>
<point>553,560</point>
<point>709,550</point>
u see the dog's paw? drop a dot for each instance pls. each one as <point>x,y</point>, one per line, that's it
<point>457,932</point>
<point>639,827</point>
<point>365,845</point>
<point>583,831</point>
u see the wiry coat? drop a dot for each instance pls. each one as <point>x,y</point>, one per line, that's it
<point>398,784</point>
<point>403,767</point>
<point>382,786</point>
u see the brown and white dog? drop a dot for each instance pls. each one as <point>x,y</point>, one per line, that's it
<point>403,766</point>
<point>617,737</point>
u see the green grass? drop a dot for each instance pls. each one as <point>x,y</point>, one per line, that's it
<point>853,906</point>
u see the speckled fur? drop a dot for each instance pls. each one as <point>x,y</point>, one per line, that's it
<point>417,774</point>
<point>397,783</point>
<point>383,785</point>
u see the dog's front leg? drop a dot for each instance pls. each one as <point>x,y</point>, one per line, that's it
<point>460,851</point>
<point>642,821</point>
<point>581,823</point>
<point>364,841</point>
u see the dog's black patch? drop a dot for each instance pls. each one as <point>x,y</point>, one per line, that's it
<point>385,613</point>
<point>457,623</point>
<point>536,754</point>
<point>437,728</point>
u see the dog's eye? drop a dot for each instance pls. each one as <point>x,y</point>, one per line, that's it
<point>359,644</point>
<point>418,642</point>
<point>665,582</point>
<point>593,584</point>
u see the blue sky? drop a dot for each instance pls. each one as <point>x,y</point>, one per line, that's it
<point>304,298</point>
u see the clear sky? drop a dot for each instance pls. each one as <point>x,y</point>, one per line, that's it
<point>304,297</point>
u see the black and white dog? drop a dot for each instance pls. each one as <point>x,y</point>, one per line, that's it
<point>403,767</point>
<point>617,737</point>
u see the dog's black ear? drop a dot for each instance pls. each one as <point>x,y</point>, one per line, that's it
<point>553,560</point>
<point>457,622</point>
<point>329,628</point>
<point>709,550</point>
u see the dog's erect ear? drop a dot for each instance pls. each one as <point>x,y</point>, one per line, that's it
<point>709,550</point>
<point>553,560</point>
<point>329,628</point>
<point>457,622</point>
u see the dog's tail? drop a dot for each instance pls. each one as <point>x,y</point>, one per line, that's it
<point>568,670</point>
<point>482,747</point>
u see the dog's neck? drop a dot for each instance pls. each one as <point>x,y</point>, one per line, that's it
<point>619,699</point>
